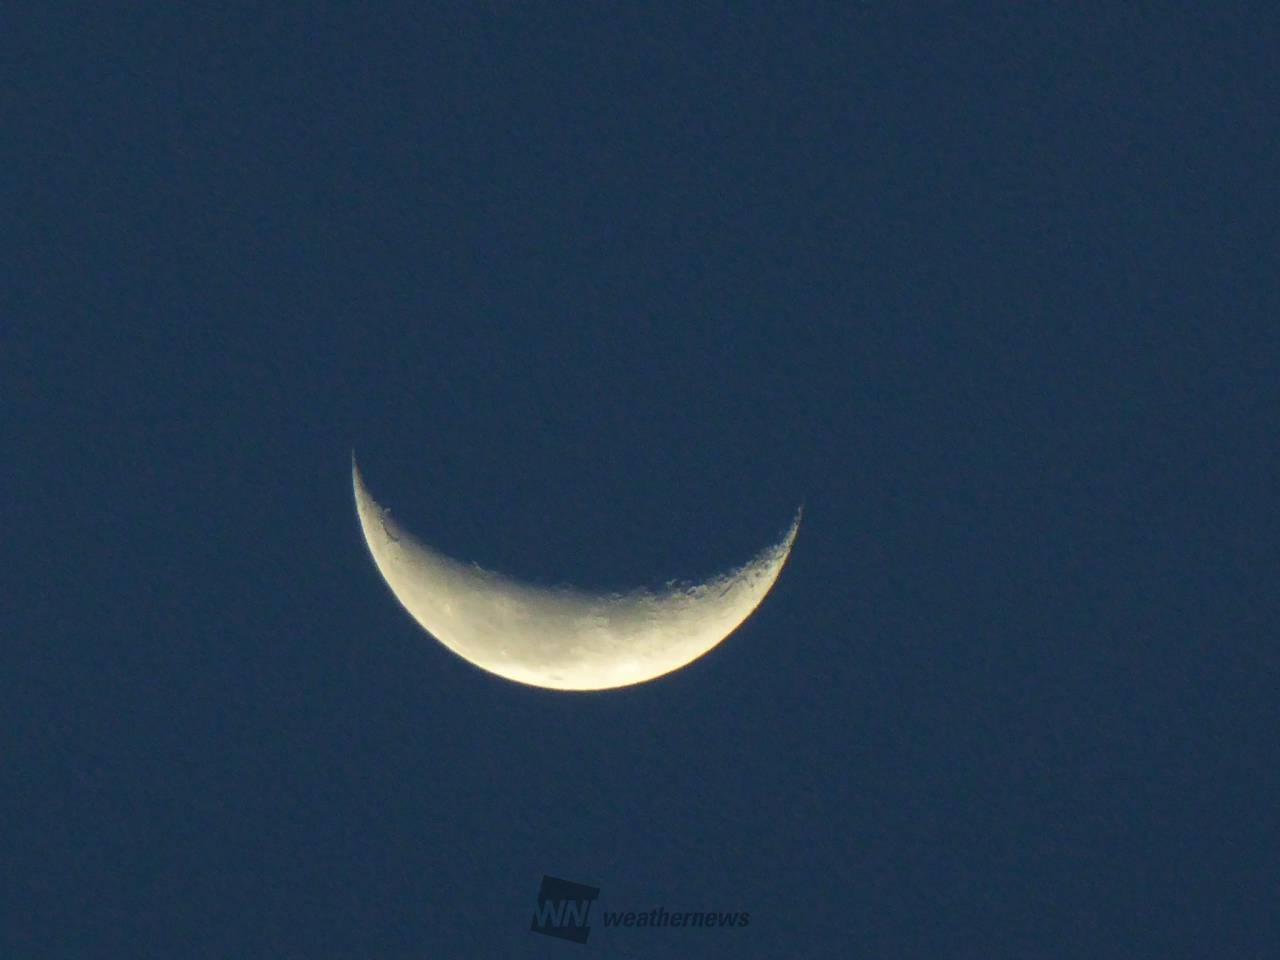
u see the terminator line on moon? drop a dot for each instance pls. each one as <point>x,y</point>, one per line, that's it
<point>559,638</point>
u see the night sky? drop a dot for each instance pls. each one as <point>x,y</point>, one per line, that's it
<point>599,294</point>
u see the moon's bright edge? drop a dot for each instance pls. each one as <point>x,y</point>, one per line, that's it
<point>561,638</point>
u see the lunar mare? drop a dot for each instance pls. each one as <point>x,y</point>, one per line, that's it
<point>562,638</point>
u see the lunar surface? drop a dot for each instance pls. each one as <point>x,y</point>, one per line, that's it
<point>562,638</point>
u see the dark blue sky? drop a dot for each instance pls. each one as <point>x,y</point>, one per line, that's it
<point>599,296</point>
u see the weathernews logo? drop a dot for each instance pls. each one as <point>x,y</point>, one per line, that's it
<point>564,907</point>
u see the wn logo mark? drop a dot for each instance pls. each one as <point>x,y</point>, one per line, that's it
<point>563,909</point>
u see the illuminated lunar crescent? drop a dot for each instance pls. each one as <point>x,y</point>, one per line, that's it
<point>563,639</point>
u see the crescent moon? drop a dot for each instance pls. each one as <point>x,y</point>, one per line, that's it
<point>562,638</point>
